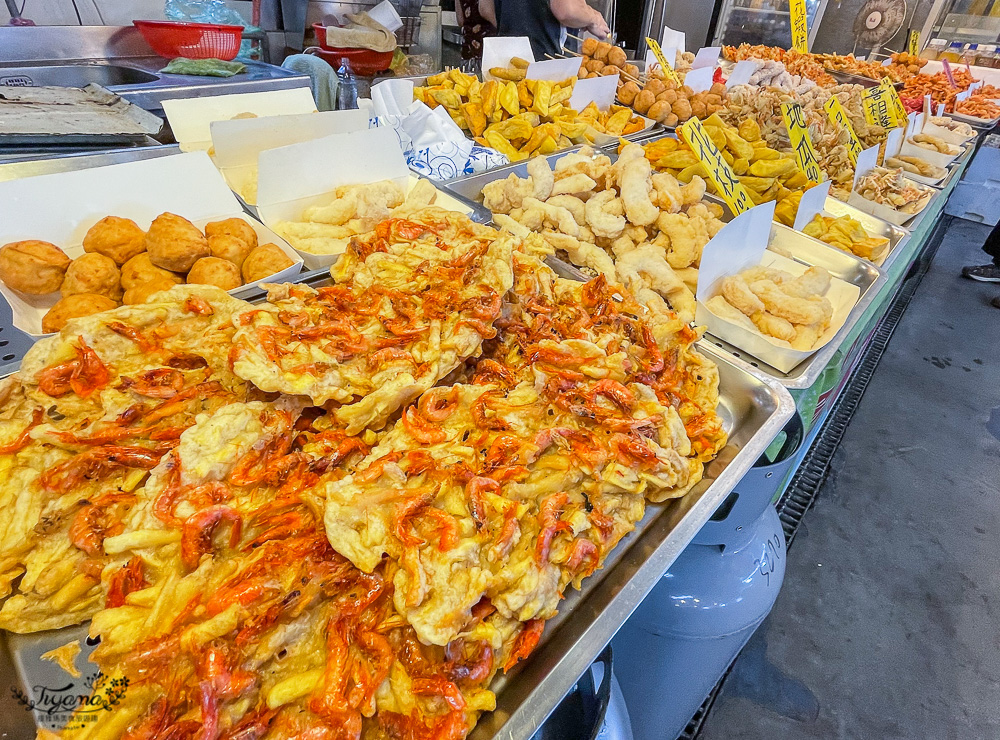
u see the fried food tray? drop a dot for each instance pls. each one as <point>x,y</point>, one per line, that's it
<point>754,408</point>
<point>872,224</point>
<point>795,245</point>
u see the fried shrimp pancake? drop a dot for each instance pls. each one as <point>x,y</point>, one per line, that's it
<point>98,405</point>
<point>516,486</point>
<point>410,303</point>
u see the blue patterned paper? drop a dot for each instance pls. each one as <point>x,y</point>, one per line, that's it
<point>444,161</point>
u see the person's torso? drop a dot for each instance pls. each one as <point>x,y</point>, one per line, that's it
<point>531,18</point>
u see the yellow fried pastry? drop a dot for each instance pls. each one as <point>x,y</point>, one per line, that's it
<point>93,273</point>
<point>32,266</point>
<point>118,238</point>
<point>75,306</point>
<point>174,243</point>
<point>215,271</point>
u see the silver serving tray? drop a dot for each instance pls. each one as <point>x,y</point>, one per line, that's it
<point>808,251</point>
<point>754,409</point>
<point>848,78</point>
<point>873,225</point>
<point>47,165</point>
<point>797,246</point>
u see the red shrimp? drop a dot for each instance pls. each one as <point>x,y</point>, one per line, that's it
<point>550,524</point>
<point>525,642</point>
<point>196,535</point>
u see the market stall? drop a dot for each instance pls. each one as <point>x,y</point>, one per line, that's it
<point>387,425</point>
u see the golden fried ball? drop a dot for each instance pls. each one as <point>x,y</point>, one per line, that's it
<point>174,243</point>
<point>33,266</point>
<point>93,273</point>
<point>140,269</point>
<point>233,227</point>
<point>215,271</point>
<point>264,261</point>
<point>227,247</point>
<point>73,307</point>
<point>141,293</point>
<point>121,239</point>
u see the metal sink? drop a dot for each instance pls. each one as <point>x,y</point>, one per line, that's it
<point>74,75</point>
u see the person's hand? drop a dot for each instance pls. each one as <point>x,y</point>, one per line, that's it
<point>599,27</point>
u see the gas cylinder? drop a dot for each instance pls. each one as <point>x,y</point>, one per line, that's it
<point>680,640</point>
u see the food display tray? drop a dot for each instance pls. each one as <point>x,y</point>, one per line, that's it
<point>873,225</point>
<point>812,252</point>
<point>72,116</point>
<point>754,408</point>
<point>847,78</point>
<point>793,244</point>
<point>977,123</point>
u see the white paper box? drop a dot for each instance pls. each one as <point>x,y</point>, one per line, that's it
<point>745,246</point>
<point>554,70</point>
<point>191,118</point>
<point>946,134</point>
<point>499,50</point>
<point>909,149</point>
<point>882,211</point>
<point>60,208</point>
<point>239,142</point>
<point>289,180</point>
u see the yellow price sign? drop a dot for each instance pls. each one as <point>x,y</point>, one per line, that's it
<point>898,109</point>
<point>800,26</point>
<point>913,42</point>
<point>798,134</point>
<point>727,184</point>
<point>878,108</point>
<point>667,68</point>
<point>840,118</point>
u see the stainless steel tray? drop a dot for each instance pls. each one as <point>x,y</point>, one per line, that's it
<point>798,246</point>
<point>873,225</point>
<point>69,163</point>
<point>72,116</point>
<point>754,409</point>
<point>847,78</point>
<point>847,267</point>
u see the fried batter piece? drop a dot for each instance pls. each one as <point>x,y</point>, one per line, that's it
<point>518,485</point>
<point>94,408</point>
<point>410,303</point>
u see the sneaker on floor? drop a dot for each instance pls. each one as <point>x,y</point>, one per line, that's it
<point>983,273</point>
<point>995,302</point>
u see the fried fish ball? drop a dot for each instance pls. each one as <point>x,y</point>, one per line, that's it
<point>643,101</point>
<point>141,293</point>
<point>215,271</point>
<point>140,269</point>
<point>589,47</point>
<point>121,239</point>
<point>174,243</point>
<point>627,92</point>
<point>33,266</point>
<point>617,57</point>
<point>231,248</point>
<point>73,307</point>
<point>93,273</point>
<point>264,261</point>
<point>236,227</point>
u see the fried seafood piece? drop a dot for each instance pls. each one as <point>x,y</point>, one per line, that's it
<point>92,410</point>
<point>228,610</point>
<point>519,484</point>
<point>411,302</point>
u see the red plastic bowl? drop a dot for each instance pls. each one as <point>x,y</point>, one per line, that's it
<point>172,39</point>
<point>364,62</point>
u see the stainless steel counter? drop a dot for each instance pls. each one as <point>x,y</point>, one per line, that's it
<point>118,58</point>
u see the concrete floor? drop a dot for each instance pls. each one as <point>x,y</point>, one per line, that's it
<point>888,625</point>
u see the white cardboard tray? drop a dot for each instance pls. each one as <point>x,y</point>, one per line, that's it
<point>61,207</point>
